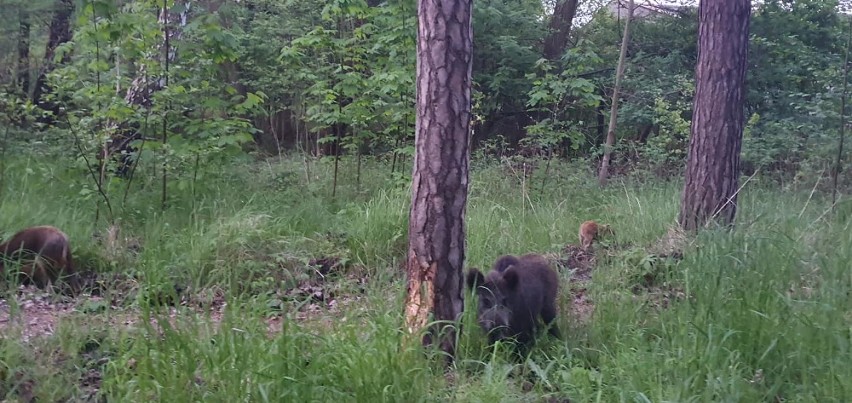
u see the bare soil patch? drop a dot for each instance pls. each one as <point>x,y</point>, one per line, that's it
<point>35,312</point>
<point>578,264</point>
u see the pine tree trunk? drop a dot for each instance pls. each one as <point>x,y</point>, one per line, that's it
<point>440,178</point>
<point>712,169</point>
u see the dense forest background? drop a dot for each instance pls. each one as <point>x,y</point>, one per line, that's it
<point>329,78</point>
<point>235,181</point>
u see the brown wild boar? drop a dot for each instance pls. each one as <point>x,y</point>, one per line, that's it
<point>45,256</point>
<point>591,231</point>
<point>514,295</point>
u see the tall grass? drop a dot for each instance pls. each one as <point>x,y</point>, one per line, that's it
<point>759,314</point>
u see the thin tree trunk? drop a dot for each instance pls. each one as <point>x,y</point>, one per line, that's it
<point>440,174</point>
<point>117,73</point>
<point>336,159</point>
<point>166,54</point>
<point>713,162</point>
<point>603,175</point>
<point>395,147</point>
<point>102,162</point>
<point>358,172</point>
<point>839,163</point>
<point>195,179</point>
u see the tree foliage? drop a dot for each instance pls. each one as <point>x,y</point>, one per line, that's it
<point>336,77</point>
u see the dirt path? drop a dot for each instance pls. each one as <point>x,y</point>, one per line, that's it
<point>578,264</point>
<point>35,313</point>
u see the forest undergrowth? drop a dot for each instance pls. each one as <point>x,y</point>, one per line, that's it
<point>255,284</point>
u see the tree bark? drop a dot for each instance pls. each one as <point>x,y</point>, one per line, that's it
<point>59,33</point>
<point>712,169</point>
<point>143,86</point>
<point>560,27</point>
<point>440,178</point>
<point>603,175</point>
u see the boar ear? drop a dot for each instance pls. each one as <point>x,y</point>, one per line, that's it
<point>510,276</point>
<point>474,278</point>
<point>504,262</point>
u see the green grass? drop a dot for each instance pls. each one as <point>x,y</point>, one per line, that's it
<point>760,314</point>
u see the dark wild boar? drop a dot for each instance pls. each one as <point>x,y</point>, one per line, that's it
<point>506,261</point>
<point>45,255</point>
<point>513,296</point>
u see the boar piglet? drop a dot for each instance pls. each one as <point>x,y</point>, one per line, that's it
<point>514,295</point>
